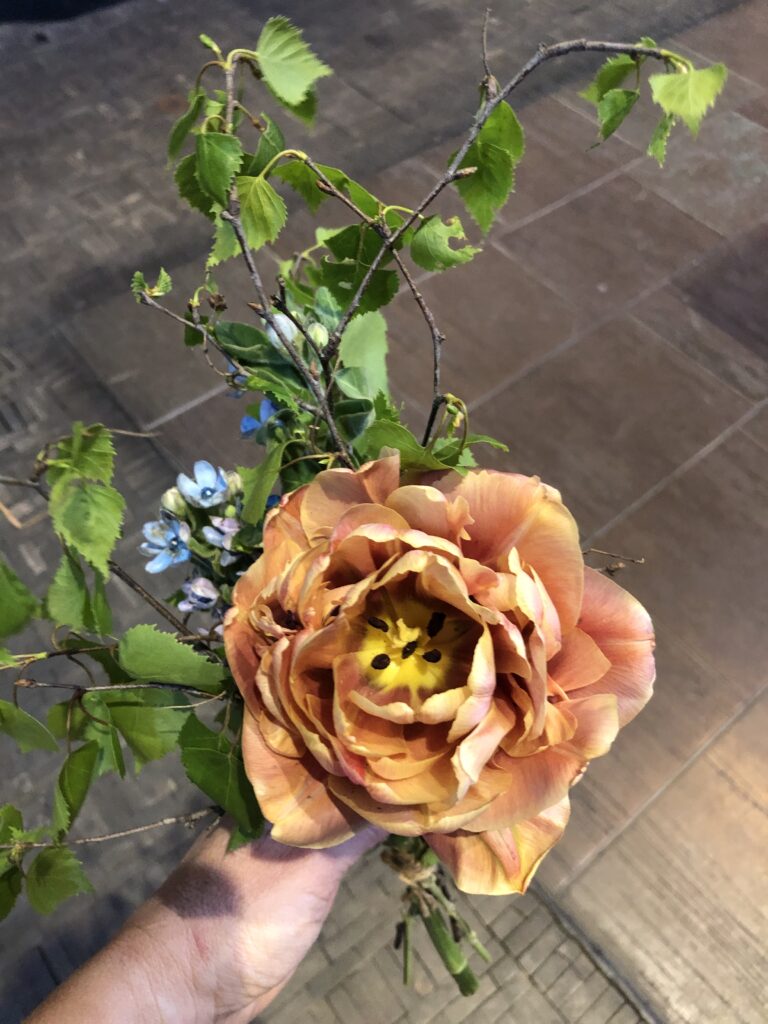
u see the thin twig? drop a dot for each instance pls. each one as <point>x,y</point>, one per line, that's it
<point>134,584</point>
<point>34,684</point>
<point>206,335</point>
<point>186,819</point>
<point>486,65</point>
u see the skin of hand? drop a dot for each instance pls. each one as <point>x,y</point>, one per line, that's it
<point>216,942</point>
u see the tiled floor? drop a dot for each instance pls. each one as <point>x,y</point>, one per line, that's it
<point>613,334</point>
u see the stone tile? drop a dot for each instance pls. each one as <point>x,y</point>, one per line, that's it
<point>670,312</point>
<point>604,1007</point>
<point>607,418</point>
<point>210,430</point>
<point>682,901</point>
<point>598,269</point>
<point>726,288</point>
<point>738,37</point>
<point>756,110</point>
<point>757,428</point>
<point>719,178</point>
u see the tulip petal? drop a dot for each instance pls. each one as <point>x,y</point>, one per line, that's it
<point>334,491</point>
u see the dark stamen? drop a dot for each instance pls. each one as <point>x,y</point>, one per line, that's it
<point>380,661</point>
<point>378,623</point>
<point>433,656</point>
<point>409,648</point>
<point>435,624</point>
<point>334,611</point>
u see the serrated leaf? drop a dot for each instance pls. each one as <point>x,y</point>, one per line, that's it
<point>689,94</point>
<point>386,434</point>
<point>26,730</point>
<point>10,819</point>
<point>89,719</point>
<point>657,147</point>
<point>288,65</point>
<point>353,416</point>
<point>302,179</point>
<point>53,876</point>
<point>88,452</point>
<point>189,188</point>
<point>164,283</point>
<point>146,653</point>
<point>183,126</point>
<point>148,720</point>
<point>225,246</point>
<point>613,108</point>
<point>495,152</point>
<point>100,609</point>
<point>343,280</point>
<point>68,602</point>
<point>431,246</point>
<point>75,778</point>
<point>271,142</point>
<point>138,285</point>
<point>218,160</point>
<point>17,602</point>
<point>258,482</point>
<point>214,765</point>
<point>10,887</point>
<point>262,210</point>
<point>364,348</point>
<point>88,517</point>
<point>610,76</point>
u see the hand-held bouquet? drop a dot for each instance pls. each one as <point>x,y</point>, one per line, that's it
<point>390,636</point>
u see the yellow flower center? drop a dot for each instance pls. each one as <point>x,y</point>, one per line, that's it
<point>409,645</point>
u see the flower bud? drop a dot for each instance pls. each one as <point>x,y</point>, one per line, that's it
<point>319,335</point>
<point>173,501</point>
<point>234,481</point>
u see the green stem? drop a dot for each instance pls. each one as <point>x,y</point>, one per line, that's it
<point>450,953</point>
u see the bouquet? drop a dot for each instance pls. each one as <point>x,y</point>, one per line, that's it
<point>366,627</point>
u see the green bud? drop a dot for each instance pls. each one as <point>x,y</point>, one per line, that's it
<point>319,335</point>
<point>173,502</point>
<point>235,482</point>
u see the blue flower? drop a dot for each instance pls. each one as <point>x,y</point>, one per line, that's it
<point>221,534</point>
<point>201,595</point>
<point>208,488</point>
<point>272,500</point>
<point>166,543</point>
<point>251,425</point>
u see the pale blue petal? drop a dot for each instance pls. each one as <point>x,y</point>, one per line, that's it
<point>160,562</point>
<point>205,474</point>
<point>189,489</point>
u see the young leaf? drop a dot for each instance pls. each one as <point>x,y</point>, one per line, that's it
<point>53,876</point>
<point>88,452</point>
<point>10,887</point>
<point>189,188</point>
<point>183,126</point>
<point>610,76</point>
<point>431,246</point>
<point>68,602</point>
<point>100,611</point>
<point>225,247</point>
<point>26,730</point>
<point>218,160</point>
<point>386,434</point>
<point>258,483</point>
<point>164,283</point>
<point>75,778</point>
<point>10,819</point>
<point>302,179</point>
<point>90,719</point>
<point>288,65</point>
<point>138,285</point>
<point>207,41</point>
<point>689,94</point>
<point>214,765</point>
<point>495,152</point>
<point>657,147</point>
<point>148,720</point>
<point>271,143</point>
<point>149,654</point>
<point>364,347</point>
<point>613,108</point>
<point>17,603</point>
<point>262,210</point>
<point>88,517</point>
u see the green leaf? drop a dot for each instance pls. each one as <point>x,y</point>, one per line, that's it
<point>54,875</point>
<point>218,160</point>
<point>10,818</point>
<point>159,657</point>
<point>386,434</point>
<point>75,778</point>
<point>271,143</point>
<point>258,483</point>
<point>88,452</point>
<point>88,517</point>
<point>189,188</point>
<point>364,348</point>
<point>613,108</point>
<point>610,76</point>
<point>17,603</point>
<point>225,247</point>
<point>207,41</point>
<point>100,610</point>
<point>6,658</point>
<point>657,147</point>
<point>353,415</point>
<point>262,210</point>
<point>495,152</point>
<point>214,765</point>
<point>68,602</point>
<point>302,179</point>
<point>343,280</point>
<point>26,730</point>
<point>89,719</point>
<point>183,126</point>
<point>10,887</point>
<point>269,370</point>
<point>431,246</point>
<point>148,720</point>
<point>164,283</point>
<point>138,285</point>
<point>689,94</point>
<point>288,65</point>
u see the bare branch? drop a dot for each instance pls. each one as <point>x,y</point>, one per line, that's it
<point>137,588</point>
<point>179,819</point>
<point>34,684</point>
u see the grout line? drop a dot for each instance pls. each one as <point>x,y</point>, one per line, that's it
<point>184,407</point>
<point>679,471</point>
<point>591,858</point>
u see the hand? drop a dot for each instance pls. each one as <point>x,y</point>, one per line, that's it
<point>217,941</point>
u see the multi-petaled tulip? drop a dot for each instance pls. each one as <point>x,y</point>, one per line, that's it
<point>432,658</point>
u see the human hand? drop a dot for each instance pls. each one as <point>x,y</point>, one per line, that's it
<point>218,940</point>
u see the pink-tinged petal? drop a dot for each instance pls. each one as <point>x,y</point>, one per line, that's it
<point>293,796</point>
<point>242,656</point>
<point>428,509</point>
<point>579,663</point>
<point>481,684</point>
<point>442,707</point>
<point>597,724</point>
<point>623,631</point>
<point>334,491</point>
<point>501,862</point>
<point>434,785</point>
<point>514,511</point>
<point>279,739</point>
<point>476,749</point>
